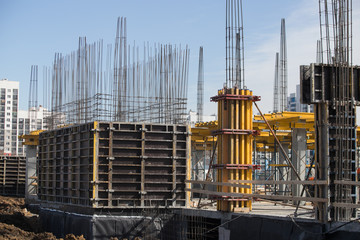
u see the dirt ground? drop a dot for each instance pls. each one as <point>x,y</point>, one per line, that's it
<point>16,222</point>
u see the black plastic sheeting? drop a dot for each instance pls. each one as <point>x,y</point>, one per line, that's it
<point>101,227</point>
<point>61,223</point>
<point>174,226</point>
<point>280,228</point>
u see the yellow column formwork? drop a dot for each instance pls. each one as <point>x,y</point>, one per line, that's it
<point>235,135</point>
<point>95,166</point>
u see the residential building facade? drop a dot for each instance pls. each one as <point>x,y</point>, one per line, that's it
<point>9,108</point>
<point>15,122</point>
<point>31,120</point>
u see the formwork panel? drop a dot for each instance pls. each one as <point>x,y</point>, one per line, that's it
<point>12,175</point>
<point>114,165</point>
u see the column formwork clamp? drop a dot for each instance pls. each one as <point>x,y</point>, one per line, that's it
<point>235,138</point>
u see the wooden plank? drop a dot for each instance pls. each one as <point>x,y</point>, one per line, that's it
<point>346,205</point>
<point>272,197</point>
<point>218,184</point>
<point>110,164</point>
<point>174,168</point>
<point>142,184</point>
<point>261,182</point>
<point>352,183</point>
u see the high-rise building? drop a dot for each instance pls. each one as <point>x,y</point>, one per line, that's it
<point>27,122</point>
<point>15,122</point>
<point>294,104</point>
<point>9,107</point>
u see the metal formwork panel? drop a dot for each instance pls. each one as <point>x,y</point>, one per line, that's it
<point>317,83</point>
<point>235,137</point>
<point>115,165</point>
<point>12,175</point>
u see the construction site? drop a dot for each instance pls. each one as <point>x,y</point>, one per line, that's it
<point>118,158</point>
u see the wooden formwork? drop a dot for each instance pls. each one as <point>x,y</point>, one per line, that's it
<point>12,175</point>
<point>115,165</point>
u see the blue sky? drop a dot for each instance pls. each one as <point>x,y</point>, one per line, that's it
<point>32,31</point>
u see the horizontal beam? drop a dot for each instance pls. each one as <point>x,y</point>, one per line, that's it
<point>352,183</point>
<point>247,195</point>
<point>346,205</point>
<point>261,182</point>
<point>218,184</point>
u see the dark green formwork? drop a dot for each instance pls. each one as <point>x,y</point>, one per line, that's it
<point>12,175</point>
<point>114,165</point>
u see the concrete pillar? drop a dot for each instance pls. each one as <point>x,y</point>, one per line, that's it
<point>298,158</point>
<point>283,171</point>
<point>30,175</point>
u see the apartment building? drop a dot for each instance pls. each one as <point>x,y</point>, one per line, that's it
<point>9,108</point>
<point>31,120</point>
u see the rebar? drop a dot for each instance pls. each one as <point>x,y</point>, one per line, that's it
<point>152,89</point>
<point>283,69</point>
<point>235,75</point>
<point>200,87</point>
<point>33,98</point>
<point>336,35</point>
<point>276,85</point>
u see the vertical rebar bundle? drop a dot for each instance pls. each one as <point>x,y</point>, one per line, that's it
<point>336,36</point>
<point>33,98</point>
<point>276,85</point>
<point>318,52</point>
<point>283,69</point>
<point>153,89</point>
<point>235,75</point>
<point>200,87</point>
<point>234,134</point>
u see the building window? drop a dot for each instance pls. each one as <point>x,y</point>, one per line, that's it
<point>8,119</point>
<point>8,114</point>
<point>9,90</point>
<point>7,125</point>
<point>9,96</point>
<point>9,102</point>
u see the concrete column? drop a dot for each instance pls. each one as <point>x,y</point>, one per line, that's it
<point>298,158</point>
<point>30,175</point>
<point>282,170</point>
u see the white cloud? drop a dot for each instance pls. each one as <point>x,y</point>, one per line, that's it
<point>302,32</point>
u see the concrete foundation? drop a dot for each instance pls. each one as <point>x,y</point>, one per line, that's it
<point>192,224</point>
